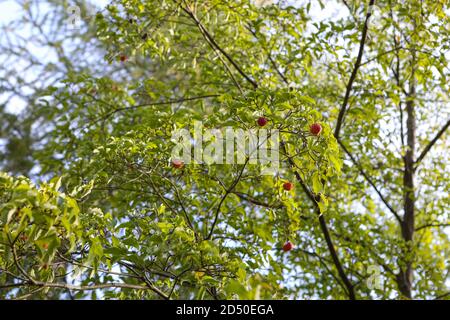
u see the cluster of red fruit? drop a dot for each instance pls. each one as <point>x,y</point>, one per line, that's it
<point>314,129</point>
<point>288,186</point>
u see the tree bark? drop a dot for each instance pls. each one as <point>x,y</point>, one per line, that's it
<point>405,276</point>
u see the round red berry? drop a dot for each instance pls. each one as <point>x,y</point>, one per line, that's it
<point>288,186</point>
<point>288,246</point>
<point>315,129</point>
<point>262,121</point>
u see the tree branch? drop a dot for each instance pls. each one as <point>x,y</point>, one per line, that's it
<point>369,180</point>
<point>431,144</point>
<point>254,201</point>
<point>216,45</point>
<point>323,225</point>
<point>158,103</point>
<point>442,296</point>
<point>92,287</point>
<point>357,64</point>
<point>227,192</point>
<point>436,225</point>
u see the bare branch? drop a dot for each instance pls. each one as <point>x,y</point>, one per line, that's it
<point>357,64</point>
<point>433,225</point>
<point>369,180</point>
<point>432,143</point>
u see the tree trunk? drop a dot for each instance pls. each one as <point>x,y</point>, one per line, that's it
<point>405,276</point>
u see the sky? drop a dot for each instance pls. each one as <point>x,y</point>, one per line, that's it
<point>10,10</point>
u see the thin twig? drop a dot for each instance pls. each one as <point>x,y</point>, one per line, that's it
<point>357,64</point>
<point>431,144</point>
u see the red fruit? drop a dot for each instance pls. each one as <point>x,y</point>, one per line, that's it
<point>45,245</point>
<point>315,129</point>
<point>123,58</point>
<point>288,246</point>
<point>177,164</point>
<point>262,121</point>
<point>288,186</point>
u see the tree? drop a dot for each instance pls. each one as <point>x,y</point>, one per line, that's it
<point>368,215</point>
